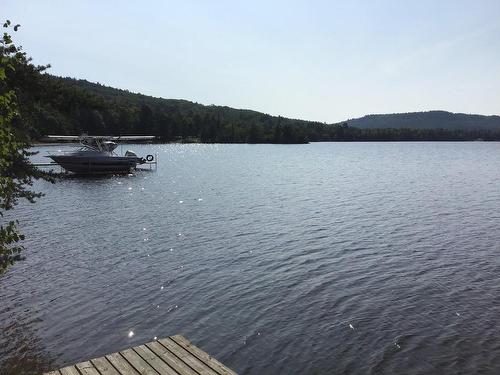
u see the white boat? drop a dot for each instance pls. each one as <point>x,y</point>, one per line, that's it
<point>96,156</point>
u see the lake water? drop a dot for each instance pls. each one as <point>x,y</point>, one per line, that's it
<point>360,258</point>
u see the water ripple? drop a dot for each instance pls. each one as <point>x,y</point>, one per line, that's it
<point>323,258</point>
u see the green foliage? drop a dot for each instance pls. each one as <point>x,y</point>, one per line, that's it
<point>16,172</point>
<point>428,120</point>
<point>69,106</point>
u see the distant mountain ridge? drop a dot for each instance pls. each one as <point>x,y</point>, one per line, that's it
<point>427,120</point>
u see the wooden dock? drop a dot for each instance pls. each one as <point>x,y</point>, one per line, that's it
<point>173,355</point>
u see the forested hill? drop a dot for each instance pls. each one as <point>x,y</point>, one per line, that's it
<point>428,120</point>
<point>71,106</point>
<point>66,106</point>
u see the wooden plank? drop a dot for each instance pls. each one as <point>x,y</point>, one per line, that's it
<point>70,370</point>
<point>187,357</point>
<point>139,364</point>
<point>104,366</point>
<point>154,361</point>
<point>171,359</point>
<point>173,355</point>
<point>121,364</point>
<point>203,356</point>
<point>87,368</point>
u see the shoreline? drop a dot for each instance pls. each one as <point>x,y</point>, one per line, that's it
<point>40,143</point>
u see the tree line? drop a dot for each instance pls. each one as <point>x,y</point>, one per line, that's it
<point>428,120</point>
<point>56,105</point>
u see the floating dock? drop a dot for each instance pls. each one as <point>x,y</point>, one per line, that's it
<point>174,355</point>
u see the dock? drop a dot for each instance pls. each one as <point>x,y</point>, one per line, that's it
<point>173,355</point>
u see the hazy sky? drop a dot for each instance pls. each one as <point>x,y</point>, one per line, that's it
<point>317,60</point>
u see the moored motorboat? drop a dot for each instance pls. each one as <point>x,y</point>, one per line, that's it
<point>96,156</point>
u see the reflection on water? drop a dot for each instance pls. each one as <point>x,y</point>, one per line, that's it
<point>322,258</point>
<point>21,350</point>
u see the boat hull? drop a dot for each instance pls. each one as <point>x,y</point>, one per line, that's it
<point>96,165</point>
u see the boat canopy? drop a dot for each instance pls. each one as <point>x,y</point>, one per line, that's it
<point>78,138</point>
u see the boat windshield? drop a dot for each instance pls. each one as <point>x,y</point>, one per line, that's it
<point>97,144</point>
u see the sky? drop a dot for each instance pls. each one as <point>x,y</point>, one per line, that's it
<point>326,61</point>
